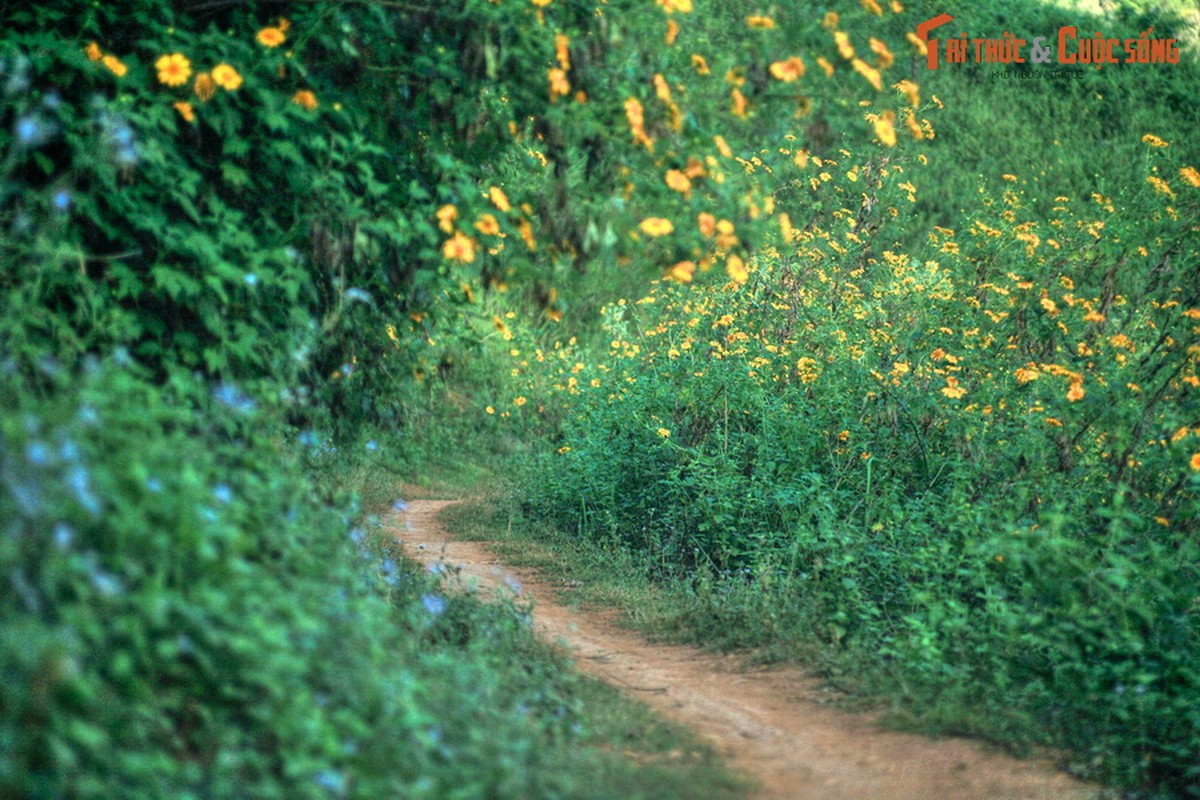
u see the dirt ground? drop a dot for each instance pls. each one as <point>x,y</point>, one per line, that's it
<point>768,723</point>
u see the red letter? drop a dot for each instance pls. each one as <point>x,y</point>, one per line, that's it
<point>1064,33</point>
<point>923,34</point>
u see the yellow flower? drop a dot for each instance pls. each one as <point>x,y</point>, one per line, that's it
<point>867,71</point>
<point>562,50</point>
<point>271,37</point>
<point>664,433</point>
<point>305,99</point>
<point>93,52</point>
<point>204,87</point>
<point>520,401</point>
<point>678,181</point>
<point>173,69</point>
<point>726,237</point>
<point>1026,374</point>
<point>1160,186</point>
<point>739,103</point>
<point>672,32</point>
<point>526,231</point>
<point>918,43</point>
<point>661,88</point>
<point>459,247</point>
<point>115,66</point>
<point>499,198</point>
<point>1154,141</point>
<point>1190,174</point>
<point>879,48</point>
<point>1076,392</point>
<point>735,268</point>
<point>671,6</point>
<point>226,77</point>
<point>952,388</point>
<point>722,146</point>
<point>185,110</point>
<point>843,45</point>
<point>446,216</point>
<point>873,7</point>
<point>760,22</point>
<point>700,64</point>
<point>490,409</point>
<point>559,85</point>
<point>656,226</point>
<point>707,223</point>
<point>682,272</point>
<point>1194,463</point>
<point>487,225</point>
<point>788,71</point>
<point>910,90</point>
<point>636,115</point>
<point>885,130</point>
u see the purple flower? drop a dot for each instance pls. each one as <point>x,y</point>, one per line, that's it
<point>63,535</point>
<point>38,454</point>
<point>230,395</point>
<point>434,604</point>
<point>331,780</point>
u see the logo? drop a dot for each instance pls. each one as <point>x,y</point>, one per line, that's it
<point>1067,48</point>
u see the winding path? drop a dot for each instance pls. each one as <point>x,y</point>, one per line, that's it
<point>769,723</point>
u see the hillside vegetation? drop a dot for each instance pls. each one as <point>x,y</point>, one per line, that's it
<point>892,368</point>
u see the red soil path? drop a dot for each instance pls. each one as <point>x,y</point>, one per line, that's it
<point>768,723</point>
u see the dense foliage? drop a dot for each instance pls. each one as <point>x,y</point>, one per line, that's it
<point>214,220</point>
<point>942,420</point>
<point>975,462</point>
<point>250,246</point>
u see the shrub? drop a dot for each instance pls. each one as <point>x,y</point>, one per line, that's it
<point>970,465</point>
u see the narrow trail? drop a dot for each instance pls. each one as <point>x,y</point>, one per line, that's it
<point>768,723</point>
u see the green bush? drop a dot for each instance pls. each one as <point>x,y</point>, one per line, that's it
<point>211,237</point>
<point>237,246</point>
<point>184,615</point>
<point>971,466</point>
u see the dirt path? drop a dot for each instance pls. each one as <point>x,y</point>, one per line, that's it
<point>768,723</point>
